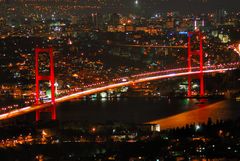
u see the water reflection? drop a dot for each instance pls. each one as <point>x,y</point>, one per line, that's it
<point>222,110</point>
<point>130,110</point>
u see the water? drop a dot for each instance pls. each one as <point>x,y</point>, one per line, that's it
<point>221,110</point>
<point>142,110</point>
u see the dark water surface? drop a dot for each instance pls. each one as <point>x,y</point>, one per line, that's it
<point>142,110</point>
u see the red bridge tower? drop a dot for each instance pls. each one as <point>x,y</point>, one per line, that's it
<point>50,78</point>
<point>198,52</point>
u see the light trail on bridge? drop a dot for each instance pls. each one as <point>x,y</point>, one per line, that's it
<point>150,46</point>
<point>87,92</point>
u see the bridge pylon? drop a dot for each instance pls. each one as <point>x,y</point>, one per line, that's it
<point>198,52</point>
<point>50,78</point>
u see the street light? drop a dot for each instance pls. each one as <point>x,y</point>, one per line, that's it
<point>136,2</point>
<point>197,127</point>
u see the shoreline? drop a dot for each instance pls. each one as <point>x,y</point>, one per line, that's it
<point>199,115</point>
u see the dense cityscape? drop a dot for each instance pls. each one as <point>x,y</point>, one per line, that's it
<point>111,57</point>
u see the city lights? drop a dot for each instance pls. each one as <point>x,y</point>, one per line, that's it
<point>119,80</point>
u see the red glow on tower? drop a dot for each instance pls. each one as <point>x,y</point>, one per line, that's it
<point>50,78</point>
<point>200,54</point>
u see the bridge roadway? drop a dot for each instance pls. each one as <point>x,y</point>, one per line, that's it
<point>146,77</point>
<point>150,46</point>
